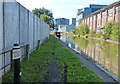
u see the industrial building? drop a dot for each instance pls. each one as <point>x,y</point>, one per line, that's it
<point>87,10</point>
<point>69,28</point>
<point>98,19</point>
<point>61,21</point>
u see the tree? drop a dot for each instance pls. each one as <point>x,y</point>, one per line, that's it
<point>44,18</point>
<point>86,30</point>
<point>83,29</point>
<point>108,29</point>
<point>45,14</point>
<point>115,32</point>
<point>42,11</point>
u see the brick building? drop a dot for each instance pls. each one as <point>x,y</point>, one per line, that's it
<point>87,10</point>
<point>98,19</point>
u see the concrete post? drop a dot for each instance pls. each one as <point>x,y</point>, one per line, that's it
<point>27,50</point>
<point>38,47</point>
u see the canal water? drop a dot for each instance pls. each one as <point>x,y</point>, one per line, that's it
<point>103,53</point>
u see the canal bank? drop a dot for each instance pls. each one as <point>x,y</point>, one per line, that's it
<point>40,66</point>
<point>110,41</point>
<point>70,34</point>
<point>94,50</point>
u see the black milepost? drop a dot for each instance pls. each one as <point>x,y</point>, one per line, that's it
<point>16,59</point>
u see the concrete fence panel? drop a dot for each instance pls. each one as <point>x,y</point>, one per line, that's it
<point>31,30</point>
<point>23,28</point>
<point>11,29</point>
<point>11,23</point>
<point>43,31</point>
<point>40,31</point>
<point>36,32</point>
<point>1,36</point>
<point>23,25</point>
<point>18,25</point>
<point>39,28</point>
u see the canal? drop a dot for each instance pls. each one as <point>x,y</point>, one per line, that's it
<point>102,53</point>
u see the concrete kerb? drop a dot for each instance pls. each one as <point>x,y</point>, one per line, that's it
<point>110,77</point>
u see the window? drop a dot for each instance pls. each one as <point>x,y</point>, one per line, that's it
<point>85,20</point>
<point>117,11</point>
<point>98,16</point>
<point>90,18</point>
<point>103,15</point>
<point>110,13</point>
<point>94,18</point>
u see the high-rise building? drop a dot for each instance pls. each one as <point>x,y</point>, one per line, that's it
<point>88,10</point>
<point>61,21</point>
<point>74,21</point>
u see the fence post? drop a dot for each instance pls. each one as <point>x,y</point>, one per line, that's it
<point>38,47</point>
<point>27,50</point>
<point>11,59</point>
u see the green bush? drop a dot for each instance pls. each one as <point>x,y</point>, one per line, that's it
<point>92,33</point>
<point>111,28</point>
<point>115,32</point>
<point>83,29</point>
<point>98,35</point>
<point>102,36</point>
<point>76,31</point>
<point>111,31</point>
<point>108,28</point>
<point>86,30</point>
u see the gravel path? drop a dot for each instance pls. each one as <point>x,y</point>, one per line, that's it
<point>54,74</point>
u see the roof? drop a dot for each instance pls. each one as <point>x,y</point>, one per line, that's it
<point>117,3</point>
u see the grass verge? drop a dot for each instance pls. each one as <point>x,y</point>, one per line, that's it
<point>76,71</point>
<point>36,68</point>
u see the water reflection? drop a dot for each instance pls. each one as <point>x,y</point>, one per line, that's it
<point>104,53</point>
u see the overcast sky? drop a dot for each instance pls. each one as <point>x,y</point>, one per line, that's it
<point>62,8</point>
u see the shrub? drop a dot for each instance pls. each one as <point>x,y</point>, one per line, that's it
<point>76,31</point>
<point>86,30</point>
<point>102,36</point>
<point>98,35</point>
<point>115,32</point>
<point>108,29</point>
<point>83,29</point>
<point>92,33</point>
